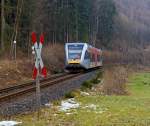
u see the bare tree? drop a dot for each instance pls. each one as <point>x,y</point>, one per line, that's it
<point>2,25</point>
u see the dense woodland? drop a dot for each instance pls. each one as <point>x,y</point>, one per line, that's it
<point>120,27</point>
<point>110,24</point>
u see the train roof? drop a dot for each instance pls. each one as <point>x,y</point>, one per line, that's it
<point>70,43</point>
<point>90,46</point>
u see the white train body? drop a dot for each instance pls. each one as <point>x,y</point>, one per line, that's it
<point>82,56</point>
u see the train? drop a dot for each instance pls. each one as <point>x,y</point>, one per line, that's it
<point>82,56</point>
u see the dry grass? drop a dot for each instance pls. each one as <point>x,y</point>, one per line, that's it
<point>129,56</point>
<point>12,72</point>
<point>114,81</point>
<point>53,57</point>
<point>111,57</point>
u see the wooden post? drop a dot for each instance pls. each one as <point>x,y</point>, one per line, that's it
<point>15,50</point>
<point>2,25</point>
<point>38,64</point>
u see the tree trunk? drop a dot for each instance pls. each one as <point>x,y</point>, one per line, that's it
<point>76,17</point>
<point>2,25</point>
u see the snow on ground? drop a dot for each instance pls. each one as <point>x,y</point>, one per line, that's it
<point>9,123</point>
<point>48,104</point>
<point>72,104</point>
<point>94,108</point>
<point>69,104</point>
<point>84,93</point>
<point>91,106</point>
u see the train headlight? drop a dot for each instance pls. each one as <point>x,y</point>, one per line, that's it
<point>74,62</point>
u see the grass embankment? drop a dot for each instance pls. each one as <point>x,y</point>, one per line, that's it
<point>97,110</point>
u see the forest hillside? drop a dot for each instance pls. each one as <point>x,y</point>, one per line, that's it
<point>133,21</point>
<point>103,23</point>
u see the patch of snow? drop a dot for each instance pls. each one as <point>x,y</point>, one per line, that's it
<point>71,113</point>
<point>55,114</point>
<point>68,113</point>
<point>91,106</point>
<point>85,94</point>
<point>96,109</point>
<point>100,112</point>
<point>69,104</point>
<point>48,104</point>
<point>9,123</point>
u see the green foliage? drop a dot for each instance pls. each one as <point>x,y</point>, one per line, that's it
<point>140,84</point>
<point>84,9</point>
<point>95,81</point>
<point>72,94</point>
<point>94,110</point>
<point>86,84</point>
<point>25,24</point>
<point>9,17</point>
<point>60,20</point>
<point>98,77</point>
<point>67,18</point>
<point>106,13</point>
<point>58,71</point>
<point>56,102</point>
<point>89,84</point>
<point>17,21</point>
<point>69,95</point>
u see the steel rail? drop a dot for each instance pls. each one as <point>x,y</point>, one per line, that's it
<point>32,88</point>
<point>29,83</point>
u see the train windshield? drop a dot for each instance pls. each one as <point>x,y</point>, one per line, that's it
<point>75,51</point>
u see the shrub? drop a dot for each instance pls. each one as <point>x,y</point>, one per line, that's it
<point>69,95</point>
<point>56,102</point>
<point>53,57</point>
<point>72,94</point>
<point>97,79</point>
<point>115,81</point>
<point>86,84</point>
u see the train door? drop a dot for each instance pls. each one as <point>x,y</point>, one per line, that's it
<point>91,59</point>
<point>87,59</point>
<point>95,58</point>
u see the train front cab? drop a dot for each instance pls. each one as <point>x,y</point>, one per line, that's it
<point>81,56</point>
<point>74,54</point>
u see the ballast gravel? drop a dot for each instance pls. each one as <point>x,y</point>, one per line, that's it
<point>27,103</point>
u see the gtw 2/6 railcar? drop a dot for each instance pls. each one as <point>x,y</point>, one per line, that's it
<point>82,56</point>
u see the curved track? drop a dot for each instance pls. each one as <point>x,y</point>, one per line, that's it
<point>29,83</point>
<point>12,92</point>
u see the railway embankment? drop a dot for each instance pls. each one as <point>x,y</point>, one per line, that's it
<point>100,105</point>
<point>27,102</point>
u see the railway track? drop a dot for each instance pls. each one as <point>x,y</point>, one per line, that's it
<point>21,89</point>
<point>29,83</point>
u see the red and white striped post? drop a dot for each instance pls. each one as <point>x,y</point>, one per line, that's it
<point>38,65</point>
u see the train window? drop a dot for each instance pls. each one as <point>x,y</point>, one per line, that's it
<point>74,55</point>
<point>87,55</point>
<point>75,47</point>
<point>75,51</point>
